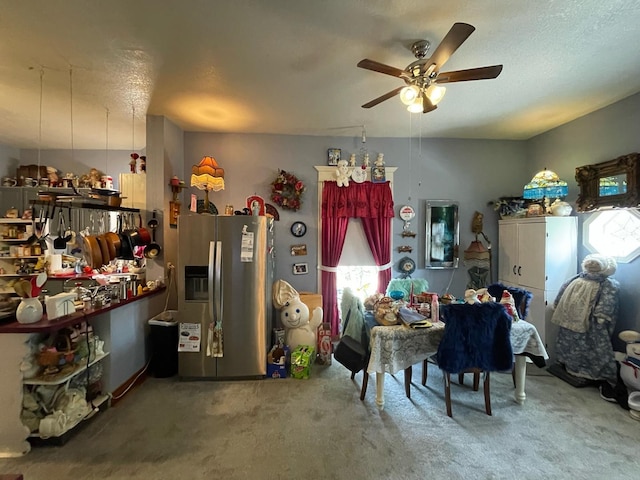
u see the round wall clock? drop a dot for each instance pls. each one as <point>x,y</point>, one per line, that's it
<point>298,229</point>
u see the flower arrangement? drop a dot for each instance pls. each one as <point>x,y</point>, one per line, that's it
<point>287,190</point>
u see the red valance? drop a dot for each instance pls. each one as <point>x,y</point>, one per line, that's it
<point>358,200</point>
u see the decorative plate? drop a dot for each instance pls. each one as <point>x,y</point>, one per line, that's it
<point>359,174</point>
<point>213,210</point>
<point>271,211</point>
<point>407,213</point>
<point>407,266</point>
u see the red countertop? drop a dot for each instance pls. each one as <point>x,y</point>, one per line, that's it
<point>47,326</point>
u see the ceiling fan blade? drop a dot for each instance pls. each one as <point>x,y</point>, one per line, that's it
<point>427,105</point>
<point>449,44</point>
<point>480,73</point>
<point>382,68</point>
<point>382,98</point>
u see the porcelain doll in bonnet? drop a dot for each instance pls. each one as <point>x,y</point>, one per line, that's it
<point>586,310</point>
<point>294,315</point>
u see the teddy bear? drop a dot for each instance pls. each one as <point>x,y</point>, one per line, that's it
<point>294,315</point>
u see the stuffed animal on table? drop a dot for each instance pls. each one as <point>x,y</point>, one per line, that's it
<point>471,296</point>
<point>509,305</point>
<point>342,174</point>
<point>294,315</point>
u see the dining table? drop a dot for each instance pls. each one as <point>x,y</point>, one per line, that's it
<point>396,348</point>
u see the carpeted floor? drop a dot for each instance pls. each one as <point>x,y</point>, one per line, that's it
<point>319,429</point>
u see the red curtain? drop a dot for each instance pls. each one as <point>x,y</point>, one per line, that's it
<point>373,203</point>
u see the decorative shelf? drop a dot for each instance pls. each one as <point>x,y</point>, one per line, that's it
<point>59,381</point>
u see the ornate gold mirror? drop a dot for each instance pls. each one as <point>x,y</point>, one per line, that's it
<point>613,183</point>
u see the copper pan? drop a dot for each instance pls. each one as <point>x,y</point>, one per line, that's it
<point>92,252</point>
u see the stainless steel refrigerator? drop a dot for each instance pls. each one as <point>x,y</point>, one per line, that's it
<point>225,274</point>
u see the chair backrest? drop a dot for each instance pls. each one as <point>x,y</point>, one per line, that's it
<point>521,297</point>
<point>475,336</point>
<point>353,323</point>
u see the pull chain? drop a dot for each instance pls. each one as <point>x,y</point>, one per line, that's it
<point>71,105</point>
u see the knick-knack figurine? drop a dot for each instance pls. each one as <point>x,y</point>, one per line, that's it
<point>143,164</point>
<point>132,163</point>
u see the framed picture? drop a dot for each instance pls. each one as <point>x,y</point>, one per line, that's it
<point>442,234</point>
<point>298,250</point>
<point>333,156</point>
<point>300,269</point>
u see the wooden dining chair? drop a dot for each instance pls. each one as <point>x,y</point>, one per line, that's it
<point>476,340</point>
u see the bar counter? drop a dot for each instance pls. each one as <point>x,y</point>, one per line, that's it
<point>48,326</point>
<point>123,325</point>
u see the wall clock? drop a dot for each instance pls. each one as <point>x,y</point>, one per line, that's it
<point>298,229</point>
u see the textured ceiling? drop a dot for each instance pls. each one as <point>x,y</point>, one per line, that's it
<point>289,67</point>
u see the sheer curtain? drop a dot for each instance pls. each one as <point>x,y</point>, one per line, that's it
<point>373,204</point>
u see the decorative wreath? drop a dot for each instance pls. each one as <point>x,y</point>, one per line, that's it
<point>287,190</point>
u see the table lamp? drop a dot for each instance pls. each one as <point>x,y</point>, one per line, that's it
<point>545,185</point>
<point>207,175</point>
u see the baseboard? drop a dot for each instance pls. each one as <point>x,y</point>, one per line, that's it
<point>136,379</point>
<point>559,371</point>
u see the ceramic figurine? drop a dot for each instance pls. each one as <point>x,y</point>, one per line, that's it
<point>342,174</point>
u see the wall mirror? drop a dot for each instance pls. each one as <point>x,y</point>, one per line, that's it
<point>442,234</point>
<point>613,183</point>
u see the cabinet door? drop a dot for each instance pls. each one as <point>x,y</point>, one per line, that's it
<point>508,252</point>
<point>537,312</point>
<point>531,254</point>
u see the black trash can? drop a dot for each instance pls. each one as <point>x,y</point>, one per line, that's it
<point>163,339</point>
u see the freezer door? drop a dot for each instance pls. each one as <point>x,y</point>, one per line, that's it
<point>245,296</point>
<point>196,234</point>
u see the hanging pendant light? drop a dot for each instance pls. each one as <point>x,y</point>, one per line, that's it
<point>40,120</point>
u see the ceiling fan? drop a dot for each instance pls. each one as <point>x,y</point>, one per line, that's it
<point>423,77</point>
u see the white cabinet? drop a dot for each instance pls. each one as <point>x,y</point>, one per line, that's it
<point>538,254</point>
<point>134,190</point>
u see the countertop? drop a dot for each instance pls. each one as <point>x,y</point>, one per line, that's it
<point>47,326</point>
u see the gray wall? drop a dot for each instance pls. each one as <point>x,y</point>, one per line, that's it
<point>77,161</point>
<point>597,137</point>
<point>471,172</point>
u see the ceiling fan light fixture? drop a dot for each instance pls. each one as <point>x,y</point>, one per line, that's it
<point>409,94</point>
<point>416,106</point>
<point>435,93</point>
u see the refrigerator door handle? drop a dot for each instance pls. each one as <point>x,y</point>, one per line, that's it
<point>212,256</point>
<point>217,298</point>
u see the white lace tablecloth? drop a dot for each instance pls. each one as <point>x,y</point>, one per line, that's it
<point>397,347</point>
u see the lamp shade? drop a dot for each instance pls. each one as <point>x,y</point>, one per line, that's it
<point>409,94</point>
<point>207,175</point>
<point>545,184</point>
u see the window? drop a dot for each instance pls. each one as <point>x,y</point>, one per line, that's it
<point>615,233</point>
<point>357,269</point>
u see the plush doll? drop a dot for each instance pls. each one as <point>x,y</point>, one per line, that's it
<point>342,174</point>
<point>471,296</point>
<point>509,305</point>
<point>484,295</point>
<point>294,315</point>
